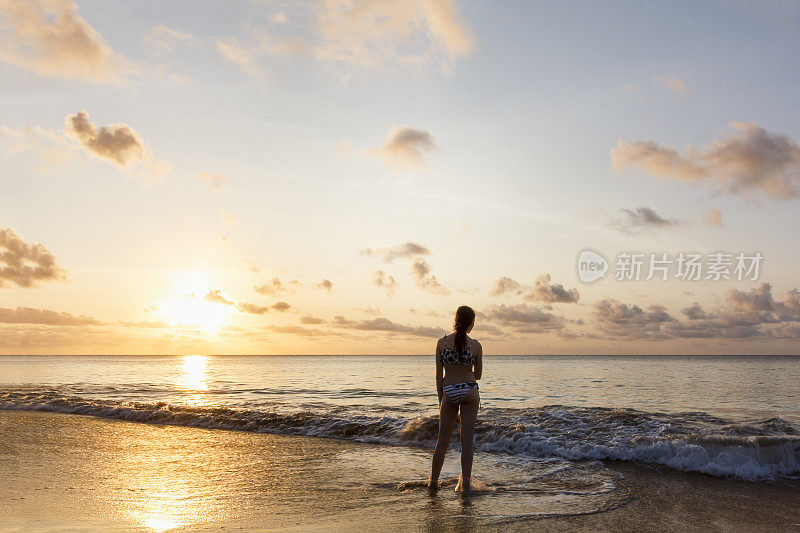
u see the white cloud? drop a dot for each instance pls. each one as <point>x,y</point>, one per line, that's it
<point>50,38</point>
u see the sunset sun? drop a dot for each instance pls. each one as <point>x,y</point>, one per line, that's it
<point>191,310</point>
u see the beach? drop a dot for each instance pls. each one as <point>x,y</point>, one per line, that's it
<point>72,473</point>
<point>337,443</point>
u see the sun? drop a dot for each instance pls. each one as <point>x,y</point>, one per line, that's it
<point>192,310</point>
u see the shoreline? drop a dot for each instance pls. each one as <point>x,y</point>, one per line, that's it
<point>128,476</point>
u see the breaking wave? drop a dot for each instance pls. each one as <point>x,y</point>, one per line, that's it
<point>696,441</point>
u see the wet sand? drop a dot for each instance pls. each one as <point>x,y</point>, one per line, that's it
<point>73,473</point>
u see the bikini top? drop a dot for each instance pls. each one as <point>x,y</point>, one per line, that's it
<point>451,357</point>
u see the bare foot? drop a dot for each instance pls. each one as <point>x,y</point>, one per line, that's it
<point>433,486</point>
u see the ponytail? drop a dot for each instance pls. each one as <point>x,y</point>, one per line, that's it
<point>465,317</point>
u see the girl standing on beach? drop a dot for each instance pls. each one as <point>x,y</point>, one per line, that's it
<point>459,364</point>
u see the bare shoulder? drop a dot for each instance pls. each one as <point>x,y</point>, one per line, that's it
<point>477,345</point>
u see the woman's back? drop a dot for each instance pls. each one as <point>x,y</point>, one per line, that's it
<point>458,364</point>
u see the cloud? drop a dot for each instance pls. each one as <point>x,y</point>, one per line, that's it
<point>671,83</point>
<point>308,319</point>
<point>24,264</point>
<point>27,315</point>
<point>298,330</point>
<point>760,300</point>
<point>54,148</point>
<point>405,148</point>
<point>228,218</point>
<point>401,251</point>
<point>157,324</point>
<point>384,324</point>
<point>639,218</point>
<point>622,320</point>
<point>543,291</point>
<point>421,273</point>
<point>746,314</point>
<point>161,40</point>
<point>50,38</point>
<point>523,318</point>
<point>254,309</point>
<point>325,284</point>
<point>383,280</point>
<point>243,56</point>
<point>504,285</point>
<point>281,306</point>
<point>215,295</point>
<point>376,33</point>
<point>252,266</point>
<point>116,143</point>
<point>751,160</point>
<point>275,287</point>
<point>713,217</point>
<point>215,181</point>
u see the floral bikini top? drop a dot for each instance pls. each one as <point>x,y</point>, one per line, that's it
<point>451,357</point>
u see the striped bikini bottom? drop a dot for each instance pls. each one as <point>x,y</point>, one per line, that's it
<point>458,391</point>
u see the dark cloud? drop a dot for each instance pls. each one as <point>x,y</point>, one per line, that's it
<point>384,324</point>
<point>406,147</point>
<point>541,291</point>
<point>325,284</point>
<point>27,315</point>
<point>421,273</point>
<point>24,264</point>
<point>383,280</point>
<point>523,318</point>
<point>746,314</point>
<point>631,220</point>
<point>276,287</point>
<point>618,319</point>
<point>299,330</point>
<point>401,251</point>
<point>504,285</point>
<point>281,306</point>
<point>216,296</point>
<point>750,160</point>
<point>116,143</point>
<point>253,309</point>
<point>545,292</point>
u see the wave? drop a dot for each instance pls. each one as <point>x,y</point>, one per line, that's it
<point>696,442</point>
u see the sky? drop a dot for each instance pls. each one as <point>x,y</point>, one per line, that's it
<point>338,176</point>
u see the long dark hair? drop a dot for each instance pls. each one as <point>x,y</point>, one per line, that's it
<point>465,316</point>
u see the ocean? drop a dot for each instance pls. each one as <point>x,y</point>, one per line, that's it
<point>343,443</point>
<point>729,417</point>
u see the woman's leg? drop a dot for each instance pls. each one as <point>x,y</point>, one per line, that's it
<point>448,411</point>
<point>469,414</point>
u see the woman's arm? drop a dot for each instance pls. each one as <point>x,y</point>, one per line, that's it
<point>439,370</point>
<point>478,370</point>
